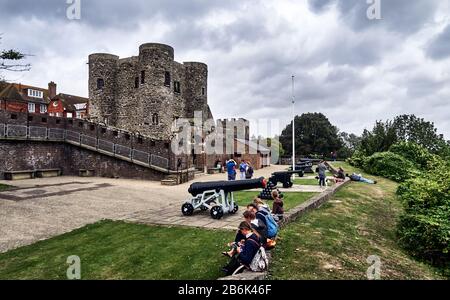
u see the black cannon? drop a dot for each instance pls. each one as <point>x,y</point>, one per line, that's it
<point>217,196</point>
<point>284,177</point>
<point>305,166</point>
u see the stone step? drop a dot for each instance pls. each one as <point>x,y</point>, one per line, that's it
<point>169,182</point>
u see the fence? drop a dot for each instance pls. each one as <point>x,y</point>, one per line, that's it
<point>36,133</point>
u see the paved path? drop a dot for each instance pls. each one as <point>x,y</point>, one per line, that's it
<point>42,208</point>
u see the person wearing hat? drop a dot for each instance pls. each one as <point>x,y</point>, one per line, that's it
<point>246,251</point>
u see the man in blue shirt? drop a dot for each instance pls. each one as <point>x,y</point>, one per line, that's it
<point>243,169</point>
<point>231,169</point>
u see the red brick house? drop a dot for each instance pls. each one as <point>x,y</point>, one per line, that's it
<point>24,98</point>
<point>68,106</point>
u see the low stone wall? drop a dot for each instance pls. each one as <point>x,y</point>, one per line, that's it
<point>290,217</point>
<point>33,155</point>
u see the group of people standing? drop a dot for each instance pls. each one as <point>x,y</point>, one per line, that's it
<point>245,169</point>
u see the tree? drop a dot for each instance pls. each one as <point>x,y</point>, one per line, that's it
<point>9,60</point>
<point>410,128</point>
<point>314,134</point>
<point>350,143</point>
<point>407,128</point>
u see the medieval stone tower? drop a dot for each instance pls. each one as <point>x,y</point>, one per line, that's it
<point>146,93</point>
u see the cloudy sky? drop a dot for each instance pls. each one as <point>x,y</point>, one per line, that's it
<point>353,69</point>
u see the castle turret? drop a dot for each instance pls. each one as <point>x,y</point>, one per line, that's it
<point>102,83</point>
<point>196,91</point>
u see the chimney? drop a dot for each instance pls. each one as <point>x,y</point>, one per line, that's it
<point>51,89</point>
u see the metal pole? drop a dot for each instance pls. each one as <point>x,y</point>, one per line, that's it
<point>293,125</point>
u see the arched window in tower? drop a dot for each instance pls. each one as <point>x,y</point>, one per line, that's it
<point>100,83</point>
<point>167,78</point>
<point>155,119</point>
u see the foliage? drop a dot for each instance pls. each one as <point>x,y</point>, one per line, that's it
<point>357,160</point>
<point>424,228</point>
<point>380,139</point>
<point>314,135</point>
<point>334,241</point>
<point>415,153</point>
<point>390,165</point>
<point>6,56</point>
<point>407,128</point>
<point>350,143</point>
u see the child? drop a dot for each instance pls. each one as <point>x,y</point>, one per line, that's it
<point>277,209</point>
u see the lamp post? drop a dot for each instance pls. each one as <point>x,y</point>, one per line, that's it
<point>293,125</point>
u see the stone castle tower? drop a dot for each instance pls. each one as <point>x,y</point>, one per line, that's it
<point>146,93</point>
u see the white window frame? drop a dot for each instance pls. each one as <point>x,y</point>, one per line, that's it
<point>43,109</point>
<point>35,94</point>
<point>31,107</point>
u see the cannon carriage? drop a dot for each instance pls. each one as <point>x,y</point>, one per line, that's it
<point>284,177</point>
<point>217,196</point>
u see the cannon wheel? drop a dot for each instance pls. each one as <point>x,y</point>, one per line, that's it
<point>187,209</point>
<point>217,212</point>
<point>287,185</point>
<point>235,209</point>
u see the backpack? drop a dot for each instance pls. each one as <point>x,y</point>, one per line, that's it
<point>260,262</point>
<point>272,226</point>
<point>249,172</point>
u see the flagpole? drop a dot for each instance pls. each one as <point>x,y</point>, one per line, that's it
<point>293,124</point>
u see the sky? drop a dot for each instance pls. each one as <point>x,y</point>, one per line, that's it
<point>352,67</point>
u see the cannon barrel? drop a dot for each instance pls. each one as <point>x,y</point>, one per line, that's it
<point>227,186</point>
<point>287,172</point>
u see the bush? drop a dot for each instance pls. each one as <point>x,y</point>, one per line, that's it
<point>390,165</point>
<point>414,153</point>
<point>424,228</point>
<point>357,159</point>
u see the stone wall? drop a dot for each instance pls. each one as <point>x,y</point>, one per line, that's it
<point>33,155</point>
<point>136,95</point>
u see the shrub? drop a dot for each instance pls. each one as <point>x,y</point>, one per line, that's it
<point>390,165</point>
<point>424,228</point>
<point>414,153</point>
<point>357,159</point>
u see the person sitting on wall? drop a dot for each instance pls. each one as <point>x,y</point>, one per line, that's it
<point>277,208</point>
<point>360,178</point>
<point>245,251</point>
<point>258,227</point>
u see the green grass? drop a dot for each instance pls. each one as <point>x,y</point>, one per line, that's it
<point>117,250</point>
<point>4,187</point>
<point>334,241</point>
<point>290,200</point>
<point>310,181</point>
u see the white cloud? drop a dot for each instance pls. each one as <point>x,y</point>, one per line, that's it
<point>353,71</point>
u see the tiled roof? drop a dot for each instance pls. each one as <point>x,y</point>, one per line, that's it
<point>22,89</point>
<point>11,93</point>
<point>69,101</point>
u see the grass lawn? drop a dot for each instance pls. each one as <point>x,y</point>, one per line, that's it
<point>117,250</point>
<point>310,181</point>
<point>290,200</point>
<point>334,241</point>
<point>4,187</point>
